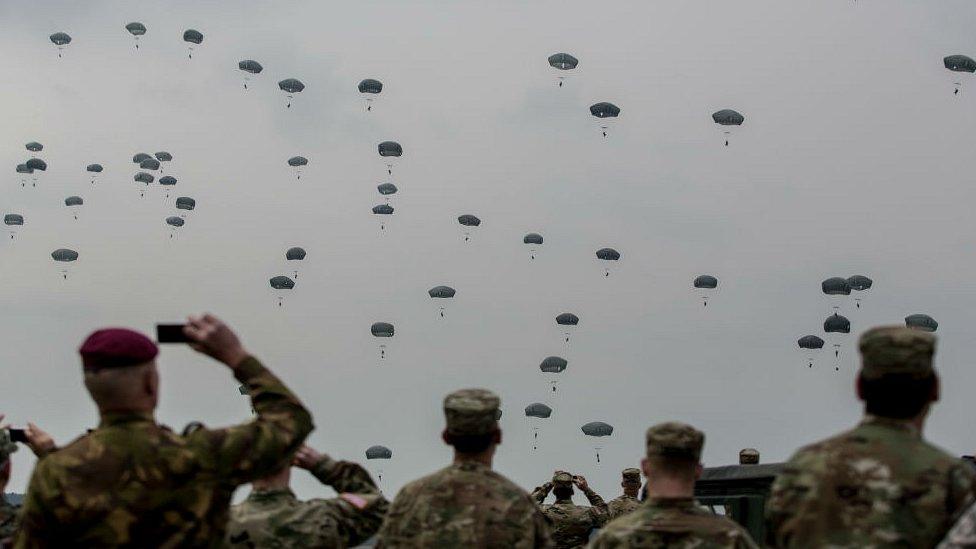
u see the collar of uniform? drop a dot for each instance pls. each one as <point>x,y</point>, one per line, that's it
<point>671,502</point>
<point>565,501</point>
<point>275,494</point>
<point>889,423</point>
<point>469,466</point>
<point>118,418</point>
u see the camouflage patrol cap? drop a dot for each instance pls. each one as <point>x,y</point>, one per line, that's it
<point>896,350</point>
<point>631,475</point>
<point>675,440</point>
<point>562,477</point>
<point>7,446</point>
<point>748,456</point>
<point>471,412</point>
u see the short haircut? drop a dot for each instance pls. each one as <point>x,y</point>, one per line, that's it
<point>471,444</point>
<point>675,467</point>
<point>114,386</point>
<point>897,396</point>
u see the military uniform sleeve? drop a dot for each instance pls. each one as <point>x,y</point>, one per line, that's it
<point>39,523</point>
<point>251,450</point>
<point>785,496</point>
<point>604,540</point>
<point>391,532</point>
<point>543,533</point>
<point>599,511</point>
<point>963,534</point>
<point>359,510</point>
<point>540,492</point>
<point>962,488</point>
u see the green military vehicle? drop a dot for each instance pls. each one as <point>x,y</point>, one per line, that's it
<point>739,491</point>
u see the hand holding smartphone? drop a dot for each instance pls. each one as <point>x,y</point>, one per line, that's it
<point>17,435</point>
<point>171,333</point>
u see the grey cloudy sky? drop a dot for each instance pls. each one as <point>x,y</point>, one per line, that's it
<point>852,160</point>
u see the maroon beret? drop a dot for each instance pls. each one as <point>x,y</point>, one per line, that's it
<point>116,348</point>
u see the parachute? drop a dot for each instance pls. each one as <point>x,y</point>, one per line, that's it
<point>13,220</point>
<point>167,181</point>
<point>553,365</point>
<point>569,320</point>
<point>959,63</point>
<point>175,222</point>
<point>604,111</point>
<point>36,164</point>
<point>705,282</point>
<point>390,149</point>
<point>295,254</point>
<point>24,170</point>
<point>74,202</point>
<point>727,118</point>
<point>185,203</point>
<point>371,87</point>
<point>191,37</point>
<point>921,322</point>
<point>281,283</point>
<point>441,292</point>
<point>382,329</point>
<point>534,240</point>
<point>812,343</point>
<point>837,324</point>
<point>94,169</point>
<point>386,189</point>
<point>836,287</point>
<point>60,39</point>
<point>562,62</point>
<point>859,283</point>
<point>383,209</point>
<point>140,157</point>
<point>297,162</point>
<point>34,146</point>
<point>468,220</point>
<point>378,452</point>
<point>143,177</point>
<point>597,429</point>
<point>149,164</point>
<point>607,254</point>
<point>540,411</point>
<point>64,255</point>
<point>291,86</point>
<point>249,66</point>
<point>136,29</point>
<point>164,156</point>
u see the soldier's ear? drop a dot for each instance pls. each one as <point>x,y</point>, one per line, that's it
<point>698,471</point>
<point>496,437</point>
<point>936,388</point>
<point>445,437</point>
<point>859,389</point>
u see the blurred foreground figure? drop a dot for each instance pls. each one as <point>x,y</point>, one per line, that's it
<point>669,517</point>
<point>134,483</point>
<point>879,484</point>
<point>571,523</point>
<point>41,444</point>
<point>272,516</point>
<point>466,504</point>
<point>621,505</point>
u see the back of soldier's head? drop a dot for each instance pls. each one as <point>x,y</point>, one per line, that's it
<point>897,379</point>
<point>674,450</point>
<point>471,417</point>
<point>119,368</point>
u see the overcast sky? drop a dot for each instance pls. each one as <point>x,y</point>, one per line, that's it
<point>853,160</point>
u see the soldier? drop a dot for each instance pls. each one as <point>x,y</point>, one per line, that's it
<point>466,504</point>
<point>134,483</point>
<point>571,523</point>
<point>669,517</point>
<point>621,505</point>
<point>41,444</point>
<point>272,516</point>
<point>879,484</point>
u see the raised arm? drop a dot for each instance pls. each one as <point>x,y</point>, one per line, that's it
<point>541,492</point>
<point>599,511</point>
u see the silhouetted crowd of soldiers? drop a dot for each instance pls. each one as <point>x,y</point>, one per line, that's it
<point>132,482</point>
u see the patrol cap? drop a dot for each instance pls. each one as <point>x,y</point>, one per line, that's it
<point>675,440</point>
<point>562,477</point>
<point>631,475</point>
<point>116,348</point>
<point>748,456</point>
<point>471,412</point>
<point>896,350</point>
<point>7,446</point>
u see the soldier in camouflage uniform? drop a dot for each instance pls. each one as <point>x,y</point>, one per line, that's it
<point>272,516</point>
<point>669,517</point>
<point>881,483</point>
<point>466,504</point>
<point>623,504</point>
<point>9,513</point>
<point>132,482</point>
<point>571,523</point>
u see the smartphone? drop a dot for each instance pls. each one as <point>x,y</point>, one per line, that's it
<point>171,333</point>
<point>17,435</point>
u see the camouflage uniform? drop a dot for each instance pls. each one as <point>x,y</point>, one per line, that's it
<point>134,483</point>
<point>9,513</point>
<point>466,504</point>
<point>571,523</point>
<point>878,484</point>
<point>963,534</point>
<point>623,504</point>
<point>677,521</point>
<point>277,519</point>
